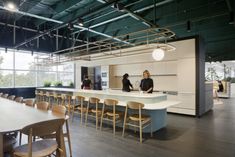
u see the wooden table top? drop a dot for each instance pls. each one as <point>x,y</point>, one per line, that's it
<point>14,116</point>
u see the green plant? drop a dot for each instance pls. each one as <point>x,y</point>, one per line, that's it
<point>47,84</point>
<point>71,84</point>
<point>58,84</point>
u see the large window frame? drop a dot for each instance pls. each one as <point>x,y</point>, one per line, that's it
<point>36,69</point>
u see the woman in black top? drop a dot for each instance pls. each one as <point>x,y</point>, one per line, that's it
<point>126,84</point>
<point>146,84</point>
<point>86,83</point>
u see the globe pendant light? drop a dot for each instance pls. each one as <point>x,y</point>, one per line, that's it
<point>158,54</point>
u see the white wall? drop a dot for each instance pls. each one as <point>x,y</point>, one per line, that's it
<point>181,64</point>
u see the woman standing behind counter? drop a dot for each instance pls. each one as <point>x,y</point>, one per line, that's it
<point>126,84</point>
<point>146,84</point>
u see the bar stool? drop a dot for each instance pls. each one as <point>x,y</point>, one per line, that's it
<point>78,107</point>
<point>57,98</point>
<point>93,101</point>
<point>66,102</point>
<point>41,96</point>
<point>138,120</point>
<point>110,115</point>
<point>36,96</point>
<point>49,98</point>
<point>11,97</point>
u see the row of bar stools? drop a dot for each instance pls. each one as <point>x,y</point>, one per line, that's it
<point>78,107</point>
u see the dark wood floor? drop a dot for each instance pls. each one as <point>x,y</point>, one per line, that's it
<point>213,135</point>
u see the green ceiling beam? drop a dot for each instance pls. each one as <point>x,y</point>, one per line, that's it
<point>60,9</point>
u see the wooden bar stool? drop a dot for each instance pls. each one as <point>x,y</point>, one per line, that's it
<point>138,120</point>
<point>37,96</point>
<point>49,98</point>
<point>94,112</point>
<point>57,98</point>
<point>78,107</point>
<point>41,96</point>
<point>66,102</point>
<point>110,115</point>
<point>11,97</point>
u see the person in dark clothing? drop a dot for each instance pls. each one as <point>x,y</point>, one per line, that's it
<point>221,87</point>
<point>86,83</point>
<point>98,83</point>
<point>146,84</point>
<point>126,84</point>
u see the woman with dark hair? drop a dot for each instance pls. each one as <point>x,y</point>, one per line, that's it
<point>126,84</point>
<point>221,87</point>
<point>86,83</point>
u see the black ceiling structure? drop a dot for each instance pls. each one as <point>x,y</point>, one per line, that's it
<point>53,25</point>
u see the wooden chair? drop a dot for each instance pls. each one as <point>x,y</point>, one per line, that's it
<point>37,96</point>
<point>110,115</point>
<point>61,110</point>
<point>29,102</point>
<point>138,120</point>
<point>49,98</point>
<point>66,102</point>
<point>45,147</point>
<point>57,98</point>
<point>42,105</point>
<point>94,112</point>
<point>5,95</point>
<point>41,96</point>
<point>11,97</point>
<point>19,99</point>
<point>78,107</point>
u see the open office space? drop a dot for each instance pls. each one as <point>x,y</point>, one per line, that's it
<point>101,78</point>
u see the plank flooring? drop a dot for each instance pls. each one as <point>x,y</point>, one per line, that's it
<point>212,135</point>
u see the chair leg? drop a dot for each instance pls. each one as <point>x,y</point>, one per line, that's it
<point>140,133</point>
<point>102,116</point>
<point>73,112</point>
<point>151,128</point>
<point>124,123</point>
<point>20,139</point>
<point>87,113</point>
<point>68,136</point>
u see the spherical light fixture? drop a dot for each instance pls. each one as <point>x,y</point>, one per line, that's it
<point>158,54</point>
<point>11,6</point>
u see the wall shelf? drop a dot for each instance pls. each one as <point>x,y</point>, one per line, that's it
<point>151,75</point>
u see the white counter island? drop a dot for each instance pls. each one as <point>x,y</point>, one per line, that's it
<point>155,103</point>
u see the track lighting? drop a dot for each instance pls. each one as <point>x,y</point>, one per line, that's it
<point>11,6</point>
<point>158,54</point>
<point>80,22</point>
<point>70,26</point>
<point>189,26</point>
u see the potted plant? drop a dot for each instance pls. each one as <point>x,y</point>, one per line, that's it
<point>58,84</point>
<point>47,84</point>
<point>71,84</point>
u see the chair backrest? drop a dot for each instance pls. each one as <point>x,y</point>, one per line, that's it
<point>42,105</point>
<point>5,95</point>
<point>134,105</point>
<point>94,100</point>
<point>19,99</point>
<point>1,94</point>
<point>29,102</point>
<point>110,102</point>
<point>11,97</point>
<point>47,94</point>
<point>43,128</point>
<point>59,109</point>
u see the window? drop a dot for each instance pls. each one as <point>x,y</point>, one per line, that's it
<point>6,78</point>
<point>22,69</point>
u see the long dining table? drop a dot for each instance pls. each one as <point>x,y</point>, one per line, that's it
<point>14,116</point>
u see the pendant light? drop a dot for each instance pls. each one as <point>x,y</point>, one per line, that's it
<point>158,54</point>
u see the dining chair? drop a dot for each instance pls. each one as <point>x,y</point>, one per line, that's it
<point>66,102</point>
<point>112,114</point>
<point>29,102</point>
<point>41,96</point>
<point>57,98</point>
<point>61,111</point>
<point>49,98</point>
<point>11,97</point>
<point>138,120</point>
<point>44,147</point>
<point>93,110</point>
<point>42,105</point>
<point>19,99</point>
